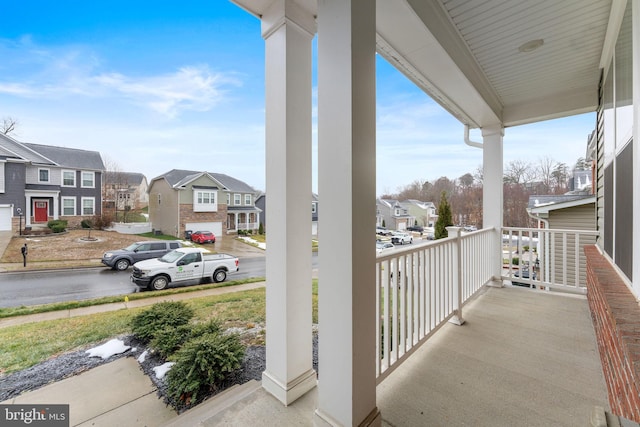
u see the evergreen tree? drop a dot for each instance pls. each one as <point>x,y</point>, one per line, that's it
<point>444,217</point>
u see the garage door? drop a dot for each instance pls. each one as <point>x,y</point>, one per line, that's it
<point>214,227</point>
<point>5,218</point>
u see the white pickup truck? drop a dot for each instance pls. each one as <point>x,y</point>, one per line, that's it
<point>183,264</point>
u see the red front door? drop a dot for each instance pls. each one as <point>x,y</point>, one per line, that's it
<point>41,211</point>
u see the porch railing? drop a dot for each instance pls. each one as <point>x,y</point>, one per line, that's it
<point>420,288</point>
<point>546,258</point>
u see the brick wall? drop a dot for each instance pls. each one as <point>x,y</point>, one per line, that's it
<point>616,319</point>
<point>187,215</point>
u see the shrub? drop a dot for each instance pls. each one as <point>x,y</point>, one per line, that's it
<point>86,223</point>
<point>57,225</point>
<point>100,222</point>
<point>515,260</point>
<point>164,315</point>
<point>261,229</point>
<point>525,248</point>
<point>202,365</point>
<point>58,228</point>
<point>167,341</point>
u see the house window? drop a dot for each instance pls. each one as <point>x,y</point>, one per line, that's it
<point>313,207</point>
<point>247,199</point>
<point>43,175</point>
<point>237,199</point>
<point>159,198</point>
<point>88,180</point>
<point>205,201</point>
<point>68,178</point>
<point>228,199</point>
<point>397,212</point>
<point>68,206</point>
<point>88,206</point>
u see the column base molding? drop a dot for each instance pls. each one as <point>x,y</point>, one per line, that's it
<point>321,419</point>
<point>496,283</point>
<point>289,393</point>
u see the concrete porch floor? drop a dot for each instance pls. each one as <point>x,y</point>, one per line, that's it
<point>523,358</point>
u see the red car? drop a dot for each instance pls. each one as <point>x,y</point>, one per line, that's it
<point>203,237</point>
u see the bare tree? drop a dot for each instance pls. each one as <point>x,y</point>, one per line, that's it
<point>9,125</point>
<point>560,176</point>
<point>115,189</point>
<point>518,172</point>
<point>545,168</point>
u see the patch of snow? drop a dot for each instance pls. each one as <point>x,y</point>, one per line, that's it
<point>162,370</point>
<point>143,356</point>
<point>108,349</point>
<point>253,242</point>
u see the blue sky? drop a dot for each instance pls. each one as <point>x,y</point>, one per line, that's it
<point>181,85</point>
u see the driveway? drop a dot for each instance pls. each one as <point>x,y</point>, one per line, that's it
<point>229,244</point>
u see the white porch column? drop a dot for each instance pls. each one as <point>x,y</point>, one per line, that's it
<point>347,188</point>
<point>492,199</point>
<point>288,32</point>
<point>27,213</point>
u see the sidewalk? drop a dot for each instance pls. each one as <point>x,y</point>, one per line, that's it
<point>83,311</point>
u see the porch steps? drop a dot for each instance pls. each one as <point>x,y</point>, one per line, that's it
<point>200,415</point>
<point>602,418</point>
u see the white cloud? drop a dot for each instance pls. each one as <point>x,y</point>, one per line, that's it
<point>67,71</point>
<point>193,88</point>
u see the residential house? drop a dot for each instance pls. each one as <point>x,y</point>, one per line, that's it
<point>562,213</point>
<point>393,215</point>
<point>424,212</point>
<point>491,65</point>
<point>261,203</point>
<point>183,200</point>
<point>125,190</point>
<point>42,182</point>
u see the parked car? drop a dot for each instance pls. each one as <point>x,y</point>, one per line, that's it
<point>401,238</point>
<point>524,273</point>
<point>383,246</point>
<point>417,228</point>
<point>382,231</point>
<point>121,259</point>
<point>470,228</point>
<point>203,237</point>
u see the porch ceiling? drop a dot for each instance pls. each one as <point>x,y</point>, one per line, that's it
<point>467,54</point>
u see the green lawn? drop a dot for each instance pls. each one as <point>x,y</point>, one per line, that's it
<point>26,345</point>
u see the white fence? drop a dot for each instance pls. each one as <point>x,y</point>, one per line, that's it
<point>421,288</point>
<point>547,258</point>
<point>131,227</point>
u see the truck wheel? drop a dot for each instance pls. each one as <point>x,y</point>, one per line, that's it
<point>219,276</point>
<point>159,283</point>
<point>122,264</point>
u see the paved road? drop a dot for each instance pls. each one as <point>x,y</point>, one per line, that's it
<point>32,288</point>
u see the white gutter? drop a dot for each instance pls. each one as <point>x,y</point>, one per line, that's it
<point>468,141</point>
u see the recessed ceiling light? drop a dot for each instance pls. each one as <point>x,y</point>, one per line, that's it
<point>531,45</point>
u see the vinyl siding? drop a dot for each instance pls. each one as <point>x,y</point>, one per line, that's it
<point>163,215</point>
<point>575,218</point>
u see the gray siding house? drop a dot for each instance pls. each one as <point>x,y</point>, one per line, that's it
<point>261,202</point>
<point>42,182</point>
<point>565,212</point>
<point>183,200</point>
